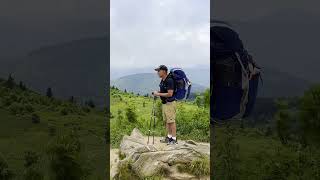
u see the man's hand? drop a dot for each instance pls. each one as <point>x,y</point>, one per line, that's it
<point>155,93</point>
<point>168,94</point>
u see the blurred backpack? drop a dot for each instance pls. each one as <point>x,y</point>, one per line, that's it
<point>234,75</point>
<point>181,83</point>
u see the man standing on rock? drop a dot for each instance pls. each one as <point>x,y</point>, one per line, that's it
<point>168,104</point>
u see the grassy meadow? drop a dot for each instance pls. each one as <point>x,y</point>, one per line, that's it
<point>285,148</point>
<point>45,138</point>
<point>129,111</point>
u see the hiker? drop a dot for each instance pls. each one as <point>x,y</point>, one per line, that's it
<point>166,95</point>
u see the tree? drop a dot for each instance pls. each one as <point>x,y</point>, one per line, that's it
<point>49,93</point>
<point>22,86</point>
<point>10,82</point>
<point>131,114</point>
<point>125,90</point>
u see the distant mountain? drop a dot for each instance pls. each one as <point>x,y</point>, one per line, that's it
<point>198,74</point>
<point>78,68</point>
<point>145,83</point>
<point>280,84</point>
<point>274,83</point>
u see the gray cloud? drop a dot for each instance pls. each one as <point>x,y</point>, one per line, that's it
<point>146,33</point>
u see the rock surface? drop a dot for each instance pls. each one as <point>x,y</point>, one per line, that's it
<point>150,159</point>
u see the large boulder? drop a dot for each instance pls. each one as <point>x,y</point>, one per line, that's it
<point>149,160</point>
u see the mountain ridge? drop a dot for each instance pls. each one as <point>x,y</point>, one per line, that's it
<point>145,83</point>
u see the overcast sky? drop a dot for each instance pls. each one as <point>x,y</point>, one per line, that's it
<point>27,25</point>
<point>246,10</point>
<point>146,33</point>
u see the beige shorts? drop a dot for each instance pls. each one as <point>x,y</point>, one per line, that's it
<point>169,112</point>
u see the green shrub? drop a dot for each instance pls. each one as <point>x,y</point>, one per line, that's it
<point>16,108</point>
<point>198,167</point>
<point>35,118</point>
<point>33,173</point>
<point>19,109</point>
<point>131,114</point>
<point>86,109</point>
<point>158,110</point>
<point>226,156</point>
<point>6,101</point>
<point>125,171</point>
<point>30,158</point>
<point>5,172</point>
<point>64,157</point>
<point>32,170</point>
<point>29,108</point>
<point>52,130</point>
<point>64,111</point>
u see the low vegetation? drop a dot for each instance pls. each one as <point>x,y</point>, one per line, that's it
<point>129,111</point>
<point>198,167</point>
<point>285,147</point>
<point>42,137</point>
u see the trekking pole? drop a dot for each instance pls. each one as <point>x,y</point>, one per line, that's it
<point>151,118</point>
<point>154,118</point>
<point>149,128</point>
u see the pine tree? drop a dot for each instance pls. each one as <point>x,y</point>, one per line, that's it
<point>71,99</point>
<point>120,116</point>
<point>49,93</point>
<point>10,82</point>
<point>22,86</point>
<point>131,114</point>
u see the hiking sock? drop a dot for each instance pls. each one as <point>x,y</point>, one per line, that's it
<point>169,136</point>
<point>174,138</point>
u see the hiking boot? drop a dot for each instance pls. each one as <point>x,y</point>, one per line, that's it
<point>165,140</point>
<point>172,142</point>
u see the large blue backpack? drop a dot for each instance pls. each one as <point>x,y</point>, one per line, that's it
<point>233,93</point>
<point>181,83</point>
